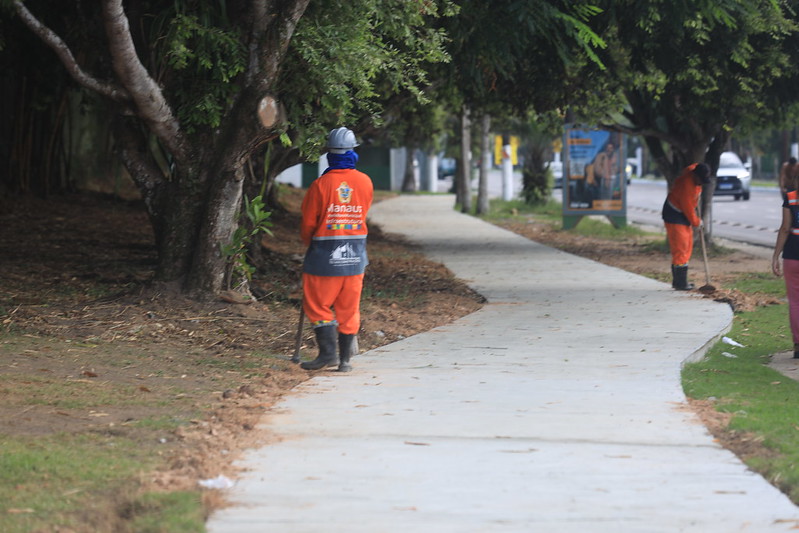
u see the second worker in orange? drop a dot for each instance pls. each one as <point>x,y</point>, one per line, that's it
<point>680,217</point>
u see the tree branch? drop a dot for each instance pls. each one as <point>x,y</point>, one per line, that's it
<point>642,131</point>
<point>274,42</point>
<point>259,17</point>
<point>63,52</point>
<point>151,106</point>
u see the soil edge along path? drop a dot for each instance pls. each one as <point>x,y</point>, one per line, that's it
<point>556,407</point>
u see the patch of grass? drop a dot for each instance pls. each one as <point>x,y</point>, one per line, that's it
<point>602,229</point>
<point>552,213</point>
<point>500,209</point>
<point>176,512</point>
<point>660,246</point>
<point>394,294</point>
<point>713,250</point>
<point>771,184</point>
<point>761,282</point>
<point>69,393</point>
<point>89,477</point>
<point>161,423</point>
<point>65,480</point>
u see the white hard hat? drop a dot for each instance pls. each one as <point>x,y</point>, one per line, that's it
<point>340,140</point>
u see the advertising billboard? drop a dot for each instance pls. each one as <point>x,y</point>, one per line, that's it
<point>594,176</point>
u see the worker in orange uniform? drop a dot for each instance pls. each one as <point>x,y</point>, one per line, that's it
<point>680,217</point>
<point>334,229</point>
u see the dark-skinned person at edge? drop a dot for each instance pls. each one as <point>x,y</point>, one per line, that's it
<point>787,249</point>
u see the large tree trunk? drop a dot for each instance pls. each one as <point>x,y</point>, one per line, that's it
<point>219,223</point>
<point>712,156</point>
<point>179,226</point>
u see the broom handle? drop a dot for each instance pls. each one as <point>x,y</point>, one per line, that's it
<point>704,252</point>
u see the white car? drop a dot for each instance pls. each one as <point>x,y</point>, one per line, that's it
<point>732,177</point>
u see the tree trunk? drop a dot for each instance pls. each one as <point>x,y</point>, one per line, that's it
<point>219,223</point>
<point>711,158</point>
<point>485,165</point>
<point>465,170</point>
<point>179,225</point>
<point>409,179</point>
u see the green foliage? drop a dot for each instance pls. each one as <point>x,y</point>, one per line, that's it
<point>348,59</point>
<point>527,67</point>
<point>537,134</point>
<point>208,59</point>
<point>257,222</point>
<point>576,25</point>
<point>537,184</point>
<point>690,74</point>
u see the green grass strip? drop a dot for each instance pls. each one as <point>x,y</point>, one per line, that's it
<point>74,481</point>
<point>761,400</point>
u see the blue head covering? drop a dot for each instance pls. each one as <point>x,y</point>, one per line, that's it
<point>339,161</point>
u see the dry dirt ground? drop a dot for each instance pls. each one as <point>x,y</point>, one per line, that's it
<point>79,316</point>
<point>89,345</point>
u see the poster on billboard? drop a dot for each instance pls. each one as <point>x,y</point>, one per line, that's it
<point>594,179</point>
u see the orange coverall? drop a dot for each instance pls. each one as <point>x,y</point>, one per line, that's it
<point>679,215</point>
<point>334,229</point>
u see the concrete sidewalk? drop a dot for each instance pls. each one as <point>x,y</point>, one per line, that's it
<point>556,408</point>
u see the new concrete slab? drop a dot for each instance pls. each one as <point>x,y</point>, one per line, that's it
<point>555,408</point>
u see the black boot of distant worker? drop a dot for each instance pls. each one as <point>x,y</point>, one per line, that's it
<point>681,278</point>
<point>345,346</point>
<point>326,339</point>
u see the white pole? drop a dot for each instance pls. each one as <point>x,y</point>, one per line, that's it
<point>432,173</point>
<point>507,174</point>
<point>417,172</point>
<point>639,161</point>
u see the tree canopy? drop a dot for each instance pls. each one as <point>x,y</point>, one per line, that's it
<point>685,75</point>
<point>186,79</point>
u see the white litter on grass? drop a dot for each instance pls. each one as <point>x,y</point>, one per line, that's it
<point>219,482</point>
<point>730,355</point>
<point>732,342</point>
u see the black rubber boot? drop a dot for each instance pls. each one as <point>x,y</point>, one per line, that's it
<point>326,339</point>
<point>345,346</point>
<point>681,278</point>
